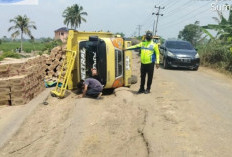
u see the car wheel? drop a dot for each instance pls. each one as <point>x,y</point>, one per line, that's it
<point>165,63</point>
<point>195,69</point>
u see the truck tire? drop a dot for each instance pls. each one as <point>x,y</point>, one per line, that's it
<point>108,91</point>
<point>134,79</point>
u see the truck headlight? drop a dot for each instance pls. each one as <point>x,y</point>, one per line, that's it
<point>171,54</point>
<point>197,56</point>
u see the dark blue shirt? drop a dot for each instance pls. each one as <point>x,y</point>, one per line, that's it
<point>93,84</point>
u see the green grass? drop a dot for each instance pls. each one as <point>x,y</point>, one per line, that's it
<point>27,46</point>
<point>10,55</point>
<point>9,48</point>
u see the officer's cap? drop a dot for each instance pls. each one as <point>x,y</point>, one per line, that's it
<point>149,34</point>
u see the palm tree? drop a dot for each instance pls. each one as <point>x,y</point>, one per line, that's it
<point>22,25</point>
<point>73,16</point>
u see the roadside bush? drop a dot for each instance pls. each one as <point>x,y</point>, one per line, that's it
<point>0,41</point>
<point>216,55</point>
<point>10,55</point>
<point>50,45</point>
<point>41,53</point>
<point>27,50</point>
<point>229,66</point>
<point>1,58</point>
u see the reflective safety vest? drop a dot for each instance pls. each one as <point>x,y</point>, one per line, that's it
<point>149,52</point>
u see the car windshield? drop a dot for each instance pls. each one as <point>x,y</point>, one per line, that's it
<point>179,45</point>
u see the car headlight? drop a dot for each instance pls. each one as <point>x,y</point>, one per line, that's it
<point>197,56</point>
<point>171,54</point>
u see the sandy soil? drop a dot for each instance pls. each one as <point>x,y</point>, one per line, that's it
<point>188,113</point>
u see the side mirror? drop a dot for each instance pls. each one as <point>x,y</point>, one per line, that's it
<point>163,48</point>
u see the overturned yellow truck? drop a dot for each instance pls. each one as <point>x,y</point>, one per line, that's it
<point>100,50</point>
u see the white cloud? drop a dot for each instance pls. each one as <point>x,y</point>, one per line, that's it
<point>28,2</point>
<point>22,2</point>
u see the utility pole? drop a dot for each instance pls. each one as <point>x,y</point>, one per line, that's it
<point>157,20</point>
<point>153,25</point>
<point>139,29</point>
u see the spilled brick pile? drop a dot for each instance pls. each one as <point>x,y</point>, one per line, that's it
<point>54,63</point>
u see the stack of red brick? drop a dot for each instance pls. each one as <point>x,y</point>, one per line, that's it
<point>21,80</point>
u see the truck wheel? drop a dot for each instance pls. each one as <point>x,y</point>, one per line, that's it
<point>134,79</point>
<point>108,91</point>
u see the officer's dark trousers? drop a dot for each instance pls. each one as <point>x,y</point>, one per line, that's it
<point>149,70</point>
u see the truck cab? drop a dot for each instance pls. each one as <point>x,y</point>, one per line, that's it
<point>156,39</point>
<point>101,51</point>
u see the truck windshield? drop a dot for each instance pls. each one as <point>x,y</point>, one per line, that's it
<point>156,40</point>
<point>93,55</point>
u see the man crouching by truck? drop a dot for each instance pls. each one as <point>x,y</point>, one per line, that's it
<point>91,88</point>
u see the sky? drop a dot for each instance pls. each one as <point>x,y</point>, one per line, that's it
<point>115,15</point>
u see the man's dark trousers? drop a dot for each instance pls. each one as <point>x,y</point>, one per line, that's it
<point>146,69</point>
<point>93,92</point>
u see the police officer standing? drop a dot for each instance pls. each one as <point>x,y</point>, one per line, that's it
<point>149,58</point>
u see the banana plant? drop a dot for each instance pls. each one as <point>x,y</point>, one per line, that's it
<point>223,28</point>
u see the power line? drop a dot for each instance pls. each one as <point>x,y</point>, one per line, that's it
<point>178,7</point>
<point>174,12</point>
<point>185,17</point>
<point>181,22</point>
<point>148,25</point>
<point>173,5</point>
<point>176,24</point>
<point>158,2</point>
<point>148,19</point>
<point>170,3</point>
<point>145,22</point>
<point>165,4</point>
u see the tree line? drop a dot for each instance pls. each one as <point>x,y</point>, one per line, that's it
<point>22,25</point>
<point>215,50</point>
